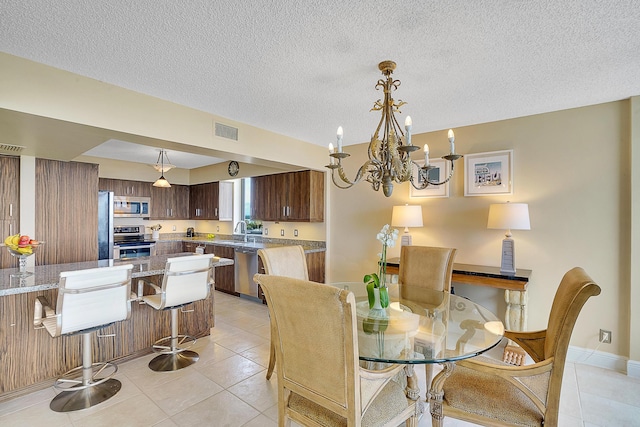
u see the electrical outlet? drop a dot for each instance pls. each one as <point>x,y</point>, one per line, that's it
<point>217,228</point>
<point>174,228</point>
<point>295,233</point>
<point>282,231</point>
<point>266,231</point>
<point>605,336</point>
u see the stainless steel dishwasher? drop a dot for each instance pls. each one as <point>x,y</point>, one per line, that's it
<point>246,265</point>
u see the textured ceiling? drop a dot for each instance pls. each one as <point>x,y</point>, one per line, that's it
<point>303,68</point>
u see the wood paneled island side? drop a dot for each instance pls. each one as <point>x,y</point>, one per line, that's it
<point>30,359</point>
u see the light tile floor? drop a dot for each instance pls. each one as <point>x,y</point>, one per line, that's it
<point>227,387</point>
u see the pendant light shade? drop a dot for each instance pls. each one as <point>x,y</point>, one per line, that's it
<point>162,182</point>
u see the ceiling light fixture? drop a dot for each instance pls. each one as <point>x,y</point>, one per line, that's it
<point>162,166</point>
<point>162,181</point>
<point>389,157</point>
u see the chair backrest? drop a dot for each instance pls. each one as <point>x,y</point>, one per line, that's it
<point>186,279</point>
<point>316,342</point>
<point>573,292</point>
<point>93,297</point>
<point>288,261</point>
<point>425,267</point>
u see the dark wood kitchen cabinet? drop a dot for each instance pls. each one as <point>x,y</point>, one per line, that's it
<point>291,196</point>
<point>9,205</point>
<point>66,211</point>
<point>225,276</point>
<point>123,187</point>
<point>212,200</point>
<point>265,200</point>
<point>170,203</point>
<point>168,247</point>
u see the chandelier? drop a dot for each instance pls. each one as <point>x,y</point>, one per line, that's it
<point>389,155</point>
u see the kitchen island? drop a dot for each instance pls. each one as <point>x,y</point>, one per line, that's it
<point>30,359</point>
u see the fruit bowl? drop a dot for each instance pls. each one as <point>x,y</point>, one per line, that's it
<point>22,252</point>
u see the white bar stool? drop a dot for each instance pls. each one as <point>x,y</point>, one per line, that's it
<point>88,300</point>
<point>186,280</point>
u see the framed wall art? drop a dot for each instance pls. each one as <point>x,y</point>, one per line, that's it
<point>438,173</point>
<point>488,173</point>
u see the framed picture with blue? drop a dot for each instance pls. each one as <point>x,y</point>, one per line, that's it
<point>438,173</point>
<point>488,173</point>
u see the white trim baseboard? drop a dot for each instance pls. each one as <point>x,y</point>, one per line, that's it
<point>633,368</point>
<point>603,360</point>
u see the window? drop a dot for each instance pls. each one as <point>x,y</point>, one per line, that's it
<point>246,198</point>
<point>253,226</point>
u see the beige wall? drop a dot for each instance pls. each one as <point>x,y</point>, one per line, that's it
<point>634,300</point>
<point>570,167</point>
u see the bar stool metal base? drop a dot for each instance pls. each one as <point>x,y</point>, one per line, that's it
<point>74,400</point>
<point>173,361</point>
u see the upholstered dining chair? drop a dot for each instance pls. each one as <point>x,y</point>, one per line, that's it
<point>493,393</point>
<point>288,261</point>
<point>320,382</point>
<point>88,300</point>
<point>425,267</point>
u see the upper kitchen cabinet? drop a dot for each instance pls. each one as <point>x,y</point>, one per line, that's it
<point>213,200</point>
<point>9,204</point>
<point>170,203</point>
<point>121,187</point>
<point>292,196</point>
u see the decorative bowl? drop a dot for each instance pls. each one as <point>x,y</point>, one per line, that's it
<point>22,252</point>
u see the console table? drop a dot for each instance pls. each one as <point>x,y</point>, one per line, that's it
<point>515,293</point>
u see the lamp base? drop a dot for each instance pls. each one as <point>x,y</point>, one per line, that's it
<point>508,263</point>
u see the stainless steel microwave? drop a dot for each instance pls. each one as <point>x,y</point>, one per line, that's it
<point>131,207</point>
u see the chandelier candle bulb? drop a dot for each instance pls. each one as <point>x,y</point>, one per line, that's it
<point>340,133</point>
<point>426,155</point>
<point>452,138</point>
<point>407,126</point>
<point>330,152</point>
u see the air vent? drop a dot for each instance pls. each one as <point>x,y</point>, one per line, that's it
<point>10,149</point>
<point>226,131</point>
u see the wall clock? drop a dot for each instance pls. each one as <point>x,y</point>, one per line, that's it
<point>233,168</point>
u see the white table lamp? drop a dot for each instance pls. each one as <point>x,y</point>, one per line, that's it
<point>406,216</point>
<point>508,216</point>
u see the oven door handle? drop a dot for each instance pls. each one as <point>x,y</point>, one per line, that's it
<point>124,248</point>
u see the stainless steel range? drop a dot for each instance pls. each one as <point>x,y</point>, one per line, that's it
<point>129,242</point>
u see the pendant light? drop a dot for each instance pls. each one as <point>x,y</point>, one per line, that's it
<point>162,181</point>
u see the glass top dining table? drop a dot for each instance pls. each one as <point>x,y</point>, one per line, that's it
<point>431,327</point>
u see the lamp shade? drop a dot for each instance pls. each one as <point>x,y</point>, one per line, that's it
<point>509,216</point>
<point>406,216</point>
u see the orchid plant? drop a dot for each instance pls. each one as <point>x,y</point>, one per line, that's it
<point>387,236</point>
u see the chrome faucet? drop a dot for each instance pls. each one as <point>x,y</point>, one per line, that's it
<point>244,229</point>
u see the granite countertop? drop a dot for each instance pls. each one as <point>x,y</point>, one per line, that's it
<point>47,276</point>
<point>260,243</point>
